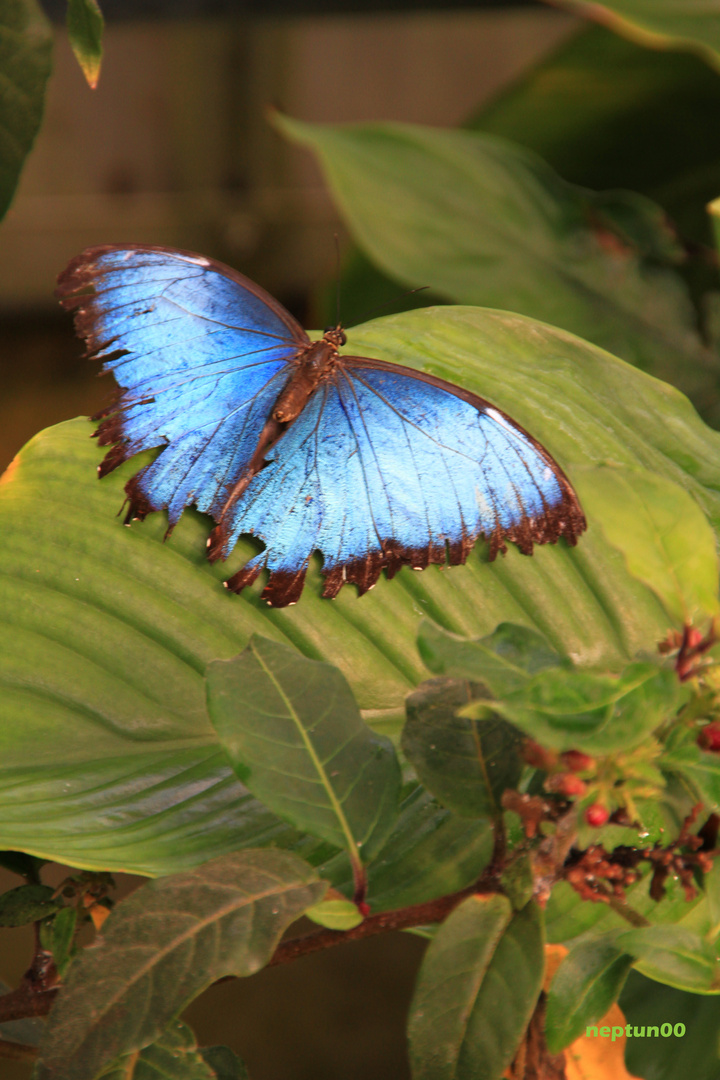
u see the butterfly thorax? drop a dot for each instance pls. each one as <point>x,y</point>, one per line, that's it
<point>314,363</point>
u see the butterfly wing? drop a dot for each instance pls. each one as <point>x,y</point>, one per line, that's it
<point>200,354</point>
<point>387,467</point>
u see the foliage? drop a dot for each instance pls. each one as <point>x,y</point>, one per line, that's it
<point>491,756</point>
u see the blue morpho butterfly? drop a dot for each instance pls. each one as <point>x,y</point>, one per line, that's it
<point>375,465</point>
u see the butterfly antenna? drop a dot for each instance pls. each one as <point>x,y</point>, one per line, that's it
<point>392,300</point>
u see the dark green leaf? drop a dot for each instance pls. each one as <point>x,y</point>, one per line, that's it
<point>26,866</point>
<point>696,1054</point>
<point>477,988</point>
<point>518,881</point>
<point>85,28</point>
<point>602,714</point>
<point>295,736</point>
<point>63,933</point>
<point>585,985</point>
<point>605,112</point>
<point>430,853</point>
<point>25,51</point>
<point>162,946</point>
<point>174,1056</point>
<point>225,1064</point>
<point>485,222</point>
<point>664,24</point>
<point>467,764</point>
<point>674,955</point>
<point>504,660</point>
<point>671,547</point>
<point>27,904</point>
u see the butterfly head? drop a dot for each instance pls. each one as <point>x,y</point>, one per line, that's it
<point>335,335</point>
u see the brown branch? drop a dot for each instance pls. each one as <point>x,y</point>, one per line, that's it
<point>17,1051</point>
<point>401,919</point>
<point>26,1001</point>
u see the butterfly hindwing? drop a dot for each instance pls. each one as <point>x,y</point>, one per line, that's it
<point>387,467</point>
<point>200,354</point>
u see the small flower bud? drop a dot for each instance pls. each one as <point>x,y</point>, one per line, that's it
<point>597,815</point>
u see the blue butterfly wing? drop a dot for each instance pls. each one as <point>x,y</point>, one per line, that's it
<point>388,467</point>
<point>200,354</point>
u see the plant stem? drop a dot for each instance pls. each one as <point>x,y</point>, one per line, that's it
<point>17,1051</point>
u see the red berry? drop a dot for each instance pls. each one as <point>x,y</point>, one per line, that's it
<point>709,737</point>
<point>597,815</point>
<point>576,761</point>
<point>566,784</point>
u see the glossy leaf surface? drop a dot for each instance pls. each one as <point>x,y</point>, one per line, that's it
<point>162,946</point>
<point>674,955</point>
<point>671,547</point>
<point>107,757</point>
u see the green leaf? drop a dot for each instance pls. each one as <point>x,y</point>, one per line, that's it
<point>24,865</point>
<point>335,914</point>
<point>162,946</point>
<point>701,768</point>
<point>430,853</point>
<point>25,60</point>
<point>295,736</point>
<point>225,1064</point>
<point>674,955</point>
<point>63,933</point>
<point>602,714</point>
<point>696,1053</point>
<point>27,904</point>
<point>174,1056</point>
<point>660,24</point>
<point>467,764</point>
<point>672,547</point>
<point>85,28</point>
<point>504,660</point>
<point>482,221</point>
<point>477,988</point>
<point>107,757</point>
<point>585,985</point>
<point>606,112</point>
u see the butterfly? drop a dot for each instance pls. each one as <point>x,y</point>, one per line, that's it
<point>375,465</point>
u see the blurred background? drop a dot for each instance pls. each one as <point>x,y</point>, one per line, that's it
<point>174,148</point>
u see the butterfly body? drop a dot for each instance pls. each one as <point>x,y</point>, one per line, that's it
<point>373,464</point>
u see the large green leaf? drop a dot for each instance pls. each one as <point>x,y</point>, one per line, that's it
<point>162,946</point>
<point>295,736</point>
<point>671,547</point>
<point>25,48</point>
<point>674,955</point>
<point>107,756</point>
<point>476,991</point>
<point>607,113</point>
<point>661,23</point>
<point>482,221</point>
